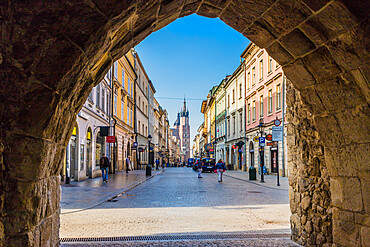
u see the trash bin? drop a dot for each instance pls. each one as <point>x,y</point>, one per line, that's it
<point>252,173</point>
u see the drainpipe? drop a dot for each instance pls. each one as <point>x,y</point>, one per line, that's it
<point>214,146</point>
<point>245,119</point>
<point>135,111</point>
<point>282,120</point>
<point>112,115</point>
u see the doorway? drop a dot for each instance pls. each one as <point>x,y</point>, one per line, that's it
<point>274,159</point>
<point>89,153</point>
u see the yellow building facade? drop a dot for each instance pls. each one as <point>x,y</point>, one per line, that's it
<point>123,108</point>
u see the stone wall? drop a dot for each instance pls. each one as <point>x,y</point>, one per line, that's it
<point>309,180</point>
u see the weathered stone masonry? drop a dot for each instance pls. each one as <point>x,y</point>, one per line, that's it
<point>53,52</point>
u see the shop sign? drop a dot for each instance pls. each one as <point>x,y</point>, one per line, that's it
<point>140,149</point>
<point>269,137</point>
<point>110,139</point>
<point>256,139</point>
<point>269,143</point>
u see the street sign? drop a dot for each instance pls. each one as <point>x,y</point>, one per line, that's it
<point>269,137</point>
<point>140,149</point>
<point>256,139</point>
<point>277,133</point>
<point>277,122</point>
<point>110,139</point>
<point>135,144</point>
<point>262,141</point>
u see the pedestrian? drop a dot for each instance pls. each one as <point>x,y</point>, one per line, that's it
<point>163,164</point>
<point>157,164</point>
<point>221,168</point>
<point>104,164</point>
<point>127,163</point>
<point>199,165</point>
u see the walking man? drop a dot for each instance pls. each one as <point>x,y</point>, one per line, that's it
<point>127,163</point>
<point>104,164</point>
<point>199,165</point>
<point>157,164</point>
<point>221,168</point>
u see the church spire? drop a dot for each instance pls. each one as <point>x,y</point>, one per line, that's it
<point>184,109</point>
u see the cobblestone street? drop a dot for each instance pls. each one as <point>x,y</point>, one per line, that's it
<point>177,202</point>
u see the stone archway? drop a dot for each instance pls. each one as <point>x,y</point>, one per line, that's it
<point>53,53</point>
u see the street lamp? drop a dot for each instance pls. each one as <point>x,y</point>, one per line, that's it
<point>148,167</point>
<point>261,126</point>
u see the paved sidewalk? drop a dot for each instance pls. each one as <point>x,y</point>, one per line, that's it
<point>270,180</point>
<point>91,192</point>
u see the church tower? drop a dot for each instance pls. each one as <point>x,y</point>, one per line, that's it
<point>183,127</point>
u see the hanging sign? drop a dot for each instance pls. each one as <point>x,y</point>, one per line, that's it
<point>269,137</point>
<point>262,141</point>
<point>110,139</point>
<point>256,139</point>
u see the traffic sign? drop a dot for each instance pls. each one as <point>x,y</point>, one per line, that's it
<point>277,122</point>
<point>277,133</point>
<point>135,144</point>
<point>256,139</point>
<point>269,137</point>
<point>262,141</point>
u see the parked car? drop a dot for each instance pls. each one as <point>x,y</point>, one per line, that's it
<point>190,162</point>
<point>208,165</point>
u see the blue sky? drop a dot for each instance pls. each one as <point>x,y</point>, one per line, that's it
<point>190,56</point>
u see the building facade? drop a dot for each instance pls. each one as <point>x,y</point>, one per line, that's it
<point>264,102</point>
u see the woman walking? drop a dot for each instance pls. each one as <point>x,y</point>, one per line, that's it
<point>221,168</point>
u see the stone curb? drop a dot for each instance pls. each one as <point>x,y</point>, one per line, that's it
<point>111,198</point>
<point>257,183</point>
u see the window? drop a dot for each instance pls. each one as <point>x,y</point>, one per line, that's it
<point>109,75</point>
<point>241,121</point>
<point>128,85</point>
<point>228,127</point>
<point>253,76</point>
<point>98,95</point>
<point>139,102</point>
<point>249,112</point>
<point>254,110</point>
<point>138,127</point>
<point>115,105</point>
<point>91,95</point>
<point>108,103</point>
<point>233,124</point>
<point>249,80</point>
<point>123,78</point>
<point>132,86</point>
<point>270,64</point>
<point>128,115</point>
<point>228,100</point>
<point>146,131</point>
<point>278,97</point>
<point>277,65</point>
<point>261,69</point>
<point>270,101</point>
<point>233,96</point>
<point>122,109</point>
<point>116,70</point>
<point>261,106</point>
<point>240,91</point>
<point>103,100</point>
<point>143,130</point>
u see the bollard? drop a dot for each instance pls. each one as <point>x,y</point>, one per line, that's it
<point>252,173</point>
<point>148,170</point>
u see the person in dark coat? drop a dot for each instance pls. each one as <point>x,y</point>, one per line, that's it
<point>104,164</point>
<point>221,168</point>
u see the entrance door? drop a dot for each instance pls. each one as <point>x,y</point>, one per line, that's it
<point>73,158</point>
<point>274,160</point>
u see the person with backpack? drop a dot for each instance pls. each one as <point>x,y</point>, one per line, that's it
<point>104,164</point>
<point>221,168</point>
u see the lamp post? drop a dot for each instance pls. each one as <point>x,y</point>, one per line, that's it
<point>261,126</point>
<point>148,166</point>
